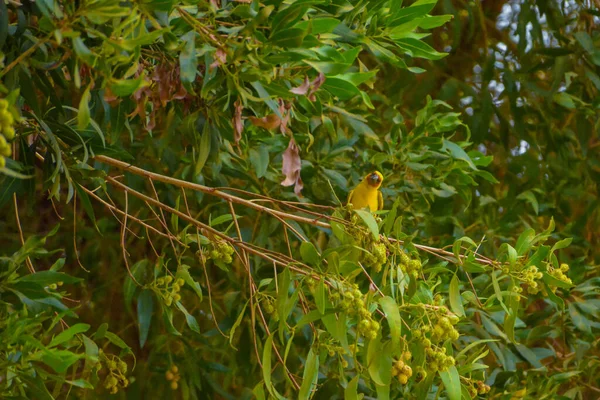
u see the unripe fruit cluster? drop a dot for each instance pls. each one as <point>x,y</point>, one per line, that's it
<point>169,288</point>
<point>401,369</point>
<point>444,329</point>
<point>438,360</point>
<point>530,277</point>
<point>482,388</point>
<point>411,267</point>
<point>377,256</point>
<point>560,273</point>
<point>117,369</point>
<point>7,131</point>
<point>221,252</point>
<point>172,375</point>
<point>353,303</point>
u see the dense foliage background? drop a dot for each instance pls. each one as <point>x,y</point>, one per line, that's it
<point>173,178</point>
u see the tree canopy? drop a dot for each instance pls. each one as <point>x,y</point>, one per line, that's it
<point>173,185</point>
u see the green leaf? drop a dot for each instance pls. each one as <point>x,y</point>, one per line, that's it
<point>83,116</point>
<point>418,49</point>
<point>530,198</point>
<point>317,26</point>
<point>416,10</point>
<point>87,205</point>
<point>320,294</point>
<point>68,334</point>
<point>451,380</point>
<point>236,324</point>
<point>184,273</point>
<point>81,383</point>
<point>392,314</point>
<point>328,67</point>
<point>126,87</point>
<point>266,367</point>
<point>309,253</point>
<point>369,220</point>
<point>188,62</point>
<point>59,360</point>
<point>189,318</point>
<point>379,362</point>
<point>310,375</point>
<point>588,44</point>
<point>3,23</point>
<point>204,150</point>
<point>157,5</point>
<point>564,99</point>
<point>145,308</point>
<point>341,88</point>
<point>458,153</point>
<point>351,391</point>
<point>260,160</point>
<point>117,341</point>
<point>561,244</point>
<point>83,52</point>
<point>292,37</point>
<point>45,278</point>
<point>510,318</point>
<point>455,298</point>
<point>525,241</point>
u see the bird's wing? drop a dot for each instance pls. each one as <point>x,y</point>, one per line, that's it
<point>379,201</point>
<point>350,196</point>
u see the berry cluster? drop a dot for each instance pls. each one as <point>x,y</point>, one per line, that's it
<point>411,267</point>
<point>437,359</point>
<point>172,375</point>
<point>376,257</point>
<point>478,387</point>
<point>530,277</point>
<point>221,252</point>
<point>444,329</point>
<point>117,369</point>
<point>169,289</point>
<point>560,274</point>
<point>401,369</point>
<point>354,304</point>
<point>430,338</point>
<point>7,131</point>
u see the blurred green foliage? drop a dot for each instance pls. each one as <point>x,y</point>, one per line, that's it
<point>478,278</point>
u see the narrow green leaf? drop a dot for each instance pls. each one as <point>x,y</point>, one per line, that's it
<point>369,220</point>
<point>451,380</point>
<point>145,308</point>
<point>236,324</point>
<point>455,298</point>
<point>68,334</point>
<point>310,375</point>
<point>351,391</point>
<point>83,116</point>
<point>204,150</point>
<point>309,253</point>
<point>392,314</point>
<point>191,321</point>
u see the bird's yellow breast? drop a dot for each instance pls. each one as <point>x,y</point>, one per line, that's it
<point>364,196</point>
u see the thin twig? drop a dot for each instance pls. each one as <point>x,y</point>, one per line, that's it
<point>123,247</point>
<point>75,233</point>
<point>27,260</point>
<point>207,190</point>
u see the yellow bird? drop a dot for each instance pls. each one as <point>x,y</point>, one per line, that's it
<point>367,193</point>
